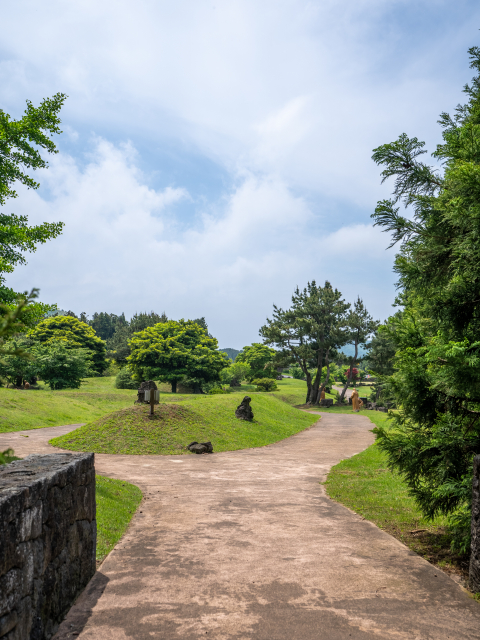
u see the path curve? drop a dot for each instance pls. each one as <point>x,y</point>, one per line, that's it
<point>246,545</point>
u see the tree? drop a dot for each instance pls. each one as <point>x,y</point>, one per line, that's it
<point>74,335</point>
<point>235,373</point>
<point>60,366</point>
<point>174,350</point>
<point>259,358</point>
<point>17,365</point>
<point>19,143</point>
<point>360,327</point>
<point>437,358</point>
<point>310,332</point>
<point>117,344</point>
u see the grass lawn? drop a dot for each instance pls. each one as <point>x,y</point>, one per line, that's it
<point>365,484</point>
<point>176,424</point>
<point>21,409</point>
<point>117,501</point>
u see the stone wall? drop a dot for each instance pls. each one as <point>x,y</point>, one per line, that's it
<point>47,541</point>
<point>475,553</point>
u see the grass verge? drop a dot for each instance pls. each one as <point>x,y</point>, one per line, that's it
<point>364,484</point>
<point>117,501</point>
<point>200,418</point>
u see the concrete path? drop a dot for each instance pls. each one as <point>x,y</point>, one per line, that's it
<point>245,545</point>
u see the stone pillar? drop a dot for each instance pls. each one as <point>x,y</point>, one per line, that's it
<point>48,540</point>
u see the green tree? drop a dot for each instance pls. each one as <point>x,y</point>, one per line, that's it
<point>259,357</point>
<point>310,332</point>
<point>174,350</point>
<point>74,334</point>
<point>118,343</point>
<point>436,364</point>
<point>360,325</point>
<point>60,366</point>
<point>235,373</point>
<point>125,379</point>
<point>20,144</point>
<point>18,365</point>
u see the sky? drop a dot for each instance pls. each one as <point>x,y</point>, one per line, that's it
<point>216,155</point>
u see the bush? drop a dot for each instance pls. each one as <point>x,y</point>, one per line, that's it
<point>125,380</point>
<point>8,456</point>
<point>265,384</point>
<point>218,390</point>
<point>296,372</point>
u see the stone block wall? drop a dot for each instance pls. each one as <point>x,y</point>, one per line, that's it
<point>47,541</point>
<point>475,552</point>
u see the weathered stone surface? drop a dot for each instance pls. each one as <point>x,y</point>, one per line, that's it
<point>146,384</point>
<point>200,447</point>
<point>47,541</point>
<point>475,548</point>
<point>244,410</point>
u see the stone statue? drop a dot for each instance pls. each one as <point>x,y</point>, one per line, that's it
<point>357,403</point>
<point>322,395</point>
<point>244,410</point>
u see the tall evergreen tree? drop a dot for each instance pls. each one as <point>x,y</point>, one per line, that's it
<point>309,332</point>
<point>437,361</point>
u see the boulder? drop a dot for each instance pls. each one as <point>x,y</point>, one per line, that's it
<point>200,447</point>
<point>244,410</point>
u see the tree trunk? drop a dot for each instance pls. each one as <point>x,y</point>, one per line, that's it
<point>316,383</point>
<point>349,377</point>
<point>174,386</point>
<point>327,377</point>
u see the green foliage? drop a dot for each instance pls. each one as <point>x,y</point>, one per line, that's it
<point>125,379</point>
<point>174,350</point>
<point>123,330</point>
<point>18,365</point>
<point>296,372</point>
<point>436,364</point>
<point>235,374</point>
<point>218,391</point>
<point>259,357</point>
<point>309,333</point>
<point>7,456</point>
<point>60,366</point>
<point>360,325</point>
<point>265,384</point>
<point>19,142</point>
<point>74,334</point>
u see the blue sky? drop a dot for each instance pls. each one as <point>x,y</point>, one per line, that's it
<point>215,155</point>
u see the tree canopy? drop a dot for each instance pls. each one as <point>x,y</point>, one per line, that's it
<point>74,334</point>
<point>259,358</point>
<point>310,332</point>
<point>437,359</point>
<point>20,144</point>
<point>174,350</point>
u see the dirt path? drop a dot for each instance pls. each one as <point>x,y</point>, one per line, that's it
<point>245,545</point>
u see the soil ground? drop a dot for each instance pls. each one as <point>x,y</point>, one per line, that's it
<point>246,545</point>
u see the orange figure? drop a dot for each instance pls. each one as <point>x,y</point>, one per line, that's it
<point>357,404</point>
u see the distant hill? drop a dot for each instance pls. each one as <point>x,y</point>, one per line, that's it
<point>231,353</point>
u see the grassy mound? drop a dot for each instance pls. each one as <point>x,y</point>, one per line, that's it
<point>200,418</point>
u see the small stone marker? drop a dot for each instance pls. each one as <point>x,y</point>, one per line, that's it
<point>200,447</point>
<point>244,410</point>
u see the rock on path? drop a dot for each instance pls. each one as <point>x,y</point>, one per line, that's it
<point>246,545</point>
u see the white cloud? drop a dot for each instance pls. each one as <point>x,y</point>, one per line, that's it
<point>120,250</point>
